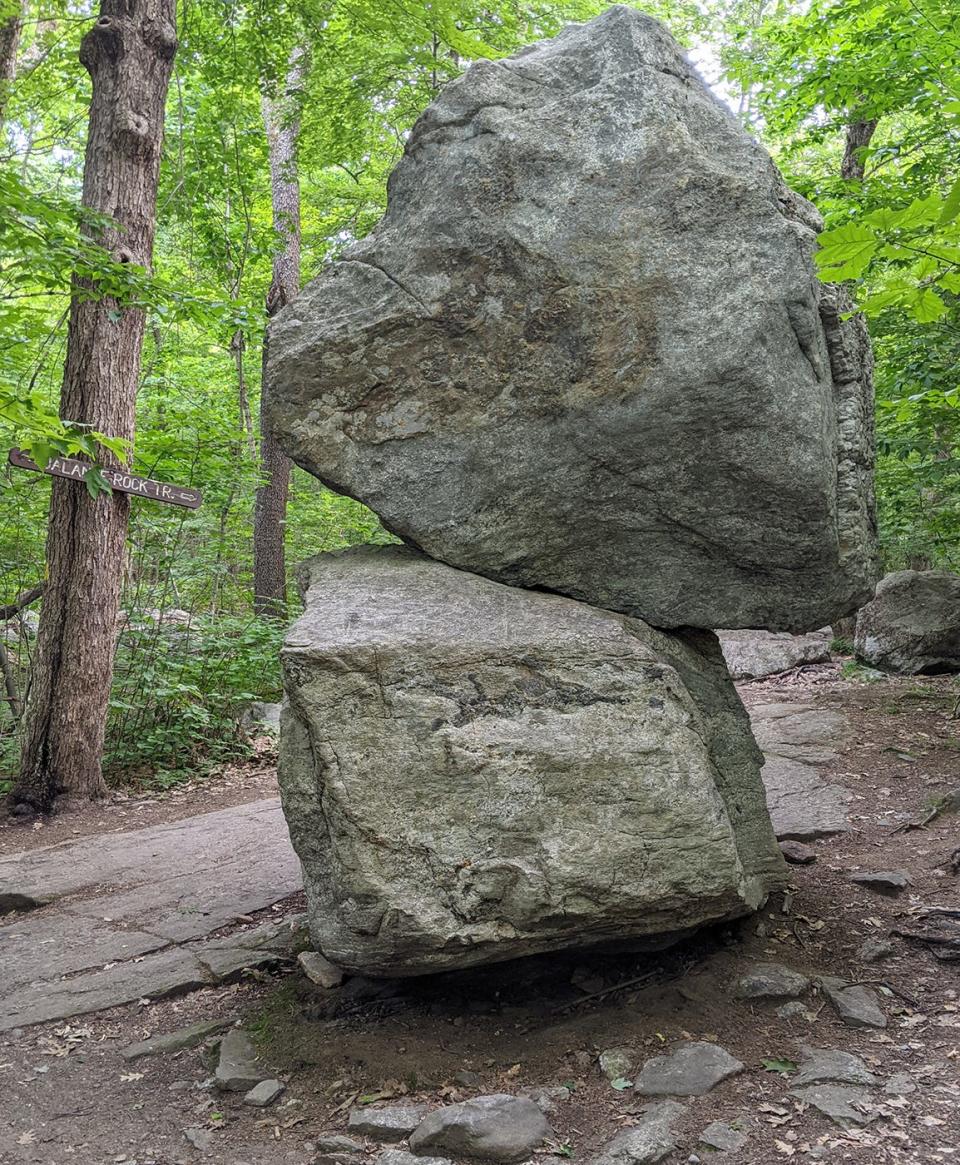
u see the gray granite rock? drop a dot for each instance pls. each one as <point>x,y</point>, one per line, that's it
<point>237,1069</point>
<point>264,1093</point>
<point>912,625</point>
<point>320,970</point>
<point>200,1138</point>
<point>771,981</point>
<point>723,1137</point>
<point>468,768</point>
<point>874,950</point>
<point>900,1084</point>
<point>586,349</point>
<point>650,1140</point>
<point>691,1070</point>
<point>399,1157</point>
<point>754,654</point>
<point>830,1065</point>
<point>616,1063</point>
<point>547,1098</point>
<point>337,1143</point>
<point>795,853</point>
<point>385,1124</point>
<point>886,881</point>
<point>792,1010</point>
<point>843,1103</point>
<point>496,1128</point>
<point>176,1041</point>
<point>857,1006</point>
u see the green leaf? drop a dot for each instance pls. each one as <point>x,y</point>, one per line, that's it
<point>783,1067</point>
<point>926,306</point>
<point>951,205</point>
<point>96,483</point>
<point>845,252</point>
<point>621,1084</point>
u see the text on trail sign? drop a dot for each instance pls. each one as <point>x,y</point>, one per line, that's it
<point>120,479</point>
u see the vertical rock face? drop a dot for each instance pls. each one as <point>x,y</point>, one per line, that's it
<point>585,350</point>
<point>472,772</point>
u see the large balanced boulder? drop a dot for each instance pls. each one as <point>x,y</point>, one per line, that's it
<point>586,350</point>
<point>473,772</point>
<point>912,625</point>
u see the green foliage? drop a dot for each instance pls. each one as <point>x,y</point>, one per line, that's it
<point>179,690</point>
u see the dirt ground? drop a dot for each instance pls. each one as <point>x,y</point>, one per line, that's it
<point>68,1096</point>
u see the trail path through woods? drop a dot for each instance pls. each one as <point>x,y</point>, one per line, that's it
<point>148,931</point>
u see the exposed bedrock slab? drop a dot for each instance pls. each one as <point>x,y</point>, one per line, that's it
<point>472,772</point>
<point>586,349</point>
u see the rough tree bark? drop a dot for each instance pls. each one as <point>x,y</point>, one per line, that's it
<point>129,54</point>
<point>11,22</point>
<point>859,135</point>
<point>270,508</point>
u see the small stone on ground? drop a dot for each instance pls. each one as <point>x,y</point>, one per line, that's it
<point>822,1065</point>
<point>691,1070</point>
<point>771,981</point>
<point>201,1139</point>
<point>319,970</point>
<point>857,1006</point>
<point>886,881</point>
<point>266,1092</point>
<point>648,1141</point>
<point>796,853</point>
<point>401,1157</point>
<point>616,1063</point>
<point>720,1135</point>
<point>337,1143</point>
<point>843,1103</point>
<point>385,1124</point>
<point>875,949</point>
<point>492,1128</point>
<point>236,1069</point>
<point>185,1037</point>
<point>901,1084</point>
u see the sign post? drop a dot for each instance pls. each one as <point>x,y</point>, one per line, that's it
<point>119,479</point>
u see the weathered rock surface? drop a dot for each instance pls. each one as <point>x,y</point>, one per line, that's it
<point>487,1128</point>
<point>237,1068</point>
<point>692,1070</point>
<point>264,1093</point>
<point>650,1140</point>
<point>723,1137</point>
<point>844,1104</point>
<point>586,350</point>
<point>856,1005</point>
<point>320,970</point>
<point>385,1124</point>
<point>176,1041</point>
<point>472,772</point>
<point>771,981</point>
<point>751,655</point>
<point>795,739</point>
<point>830,1065</point>
<point>886,881</point>
<point>912,625</point>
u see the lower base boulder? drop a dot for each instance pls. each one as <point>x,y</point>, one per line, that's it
<point>472,772</point>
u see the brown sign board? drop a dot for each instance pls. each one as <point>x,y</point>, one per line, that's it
<point>119,479</point>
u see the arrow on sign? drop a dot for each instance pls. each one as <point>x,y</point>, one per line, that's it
<point>119,479</point>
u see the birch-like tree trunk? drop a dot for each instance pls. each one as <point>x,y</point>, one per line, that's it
<point>270,510</point>
<point>129,54</point>
<point>11,23</point>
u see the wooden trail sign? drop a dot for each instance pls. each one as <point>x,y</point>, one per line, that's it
<point>120,479</point>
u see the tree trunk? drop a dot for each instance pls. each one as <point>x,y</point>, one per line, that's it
<point>270,509</point>
<point>859,135</point>
<point>129,54</point>
<point>10,25</point>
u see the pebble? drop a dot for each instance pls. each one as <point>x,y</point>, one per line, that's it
<point>797,854</point>
<point>320,970</point>
<point>496,1128</point>
<point>386,1124</point>
<point>691,1070</point>
<point>886,881</point>
<point>843,1103</point>
<point>720,1135</point>
<point>771,981</point>
<point>266,1092</point>
<point>822,1065</point>
<point>857,1006</point>
<point>875,949</point>
<point>616,1063</point>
